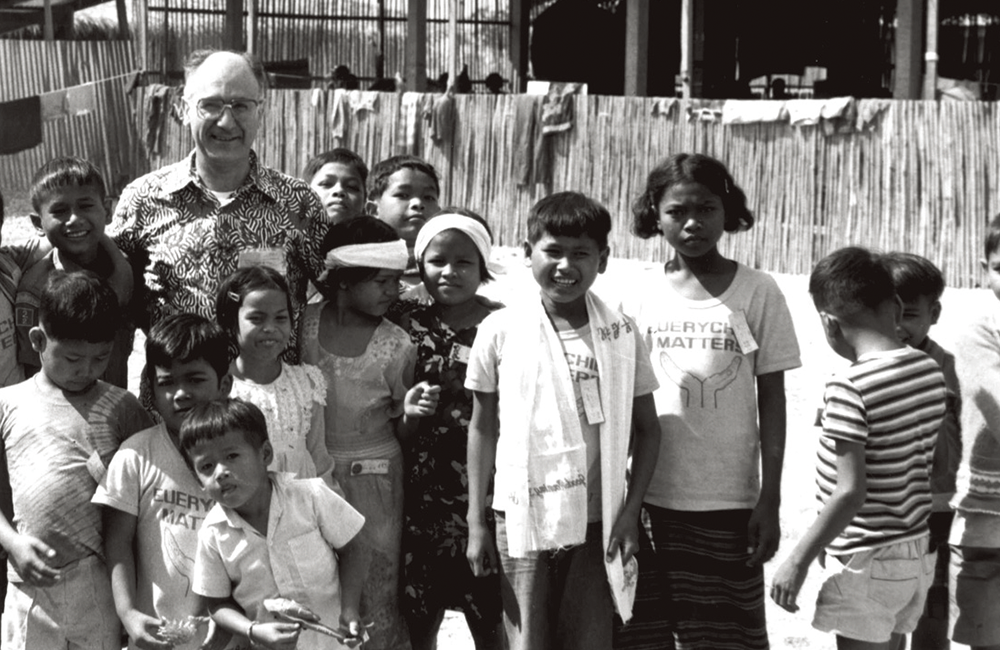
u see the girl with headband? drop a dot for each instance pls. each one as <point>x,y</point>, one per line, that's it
<point>368,363</point>
<point>451,251</point>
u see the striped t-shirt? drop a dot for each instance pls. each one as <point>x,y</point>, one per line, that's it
<point>892,403</point>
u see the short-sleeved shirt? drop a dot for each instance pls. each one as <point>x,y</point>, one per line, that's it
<point>13,262</point>
<point>307,522</point>
<point>148,479</point>
<point>188,242</point>
<point>892,403</point>
<point>707,401</point>
<point>58,447</point>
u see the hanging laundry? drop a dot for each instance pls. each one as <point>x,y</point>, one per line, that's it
<point>664,106</point>
<point>704,110</point>
<point>406,135</point>
<point>440,116</point>
<point>363,100</point>
<point>557,109</point>
<point>20,124</point>
<point>53,105</point>
<point>524,139</point>
<point>753,111</point>
<point>81,100</point>
<point>868,111</point>
<point>338,113</point>
<point>157,109</point>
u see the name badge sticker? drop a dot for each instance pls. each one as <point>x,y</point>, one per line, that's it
<point>273,257</point>
<point>460,353</point>
<point>738,321</point>
<point>592,401</point>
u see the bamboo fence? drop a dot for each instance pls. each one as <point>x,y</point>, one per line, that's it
<point>105,136</point>
<point>922,179</point>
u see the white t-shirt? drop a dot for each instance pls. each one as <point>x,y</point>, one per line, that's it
<point>148,478</point>
<point>578,348</point>
<point>707,400</point>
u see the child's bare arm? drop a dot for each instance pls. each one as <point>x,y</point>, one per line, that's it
<point>420,402</point>
<point>764,529</point>
<point>353,569</point>
<point>228,615</point>
<point>119,536</point>
<point>29,555</point>
<point>482,453</point>
<point>646,450</point>
<point>845,501</point>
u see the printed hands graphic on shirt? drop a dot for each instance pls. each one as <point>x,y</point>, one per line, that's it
<point>182,562</point>
<point>700,389</point>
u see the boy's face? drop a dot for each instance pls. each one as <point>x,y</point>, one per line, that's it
<point>182,386</point>
<point>73,219</point>
<point>374,297</point>
<point>918,316</point>
<point>565,267</point>
<point>71,365</point>
<point>409,200</point>
<point>231,471</point>
<point>341,190</point>
<point>991,266</point>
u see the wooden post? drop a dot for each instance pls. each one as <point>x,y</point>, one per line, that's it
<point>520,21</point>
<point>416,45</point>
<point>142,36</point>
<point>909,48</point>
<point>636,48</point>
<point>453,43</point>
<point>931,54</point>
<point>48,29</point>
<point>233,31</point>
<point>122,20</point>
<point>252,27</point>
<point>692,47</point>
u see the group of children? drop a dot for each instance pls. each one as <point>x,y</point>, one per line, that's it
<point>442,451</point>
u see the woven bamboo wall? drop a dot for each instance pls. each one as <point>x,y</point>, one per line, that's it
<point>923,179</point>
<point>104,136</point>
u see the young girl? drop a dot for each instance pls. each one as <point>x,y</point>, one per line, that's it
<point>368,363</point>
<point>720,338</point>
<point>451,251</point>
<point>253,305</point>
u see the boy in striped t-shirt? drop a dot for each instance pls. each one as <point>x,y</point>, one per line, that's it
<point>880,423</point>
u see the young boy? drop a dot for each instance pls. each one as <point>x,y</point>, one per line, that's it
<point>568,378</point>
<point>880,423</point>
<point>269,536</point>
<point>155,505</point>
<point>975,533</point>
<point>338,177</point>
<point>919,285</point>
<point>71,208</point>
<point>403,191</point>
<point>60,429</point>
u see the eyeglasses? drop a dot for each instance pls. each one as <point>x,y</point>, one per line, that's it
<point>212,109</point>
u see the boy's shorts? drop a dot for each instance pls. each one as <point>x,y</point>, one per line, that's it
<point>78,611</point>
<point>869,595</point>
<point>974,583</point>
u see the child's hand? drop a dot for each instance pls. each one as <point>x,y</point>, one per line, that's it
<point>786,584</point>
<point>421,400</point>
<point>763,533</point>
<point>352,627</point>
<point>481,552</point>
<point>216,638</point>
<point>31,557</point>
<point>142,629</point>
<point>277,636</point>
<point>624,536</point>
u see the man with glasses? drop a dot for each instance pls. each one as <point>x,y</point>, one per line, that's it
<point>191,224</point>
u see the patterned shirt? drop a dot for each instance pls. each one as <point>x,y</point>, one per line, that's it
<point>187,241</point>
<point>892,403</point>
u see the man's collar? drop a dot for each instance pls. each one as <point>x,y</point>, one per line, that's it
<point>182,175</point>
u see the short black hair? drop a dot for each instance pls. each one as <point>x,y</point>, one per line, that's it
<point>569,214</point>
<point>914,276</point>
<point>851,280</point>
<point>362,230</point>
<point>339,155</point>
<point>67,171</point>
<point>690,168</point>
<point>383,169</point>
<point>484,269</point>
<point>992,237</point>
<point>234,289</point>
<point>79,306</point>
<point>213,420</point>
<point>186,337</point>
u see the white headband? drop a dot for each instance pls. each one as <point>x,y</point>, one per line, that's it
<point>384,255</point>
<point>467,225</point>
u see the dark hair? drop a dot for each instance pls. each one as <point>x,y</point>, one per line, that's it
<point>198,57</point>
<point>338,155</point>
<point>914,276</point>
<point>993,237</point>
<point>690,168</point>
<point>184,338</point>
<point>851,280</point>
<point>569,214</point>
<point>383,169</point>
<point>213,420</point>
<point>484,270</point>
<point>78,306</point>
<point>65,172</point>
<point>362,230</point>
<point>234,289</point>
